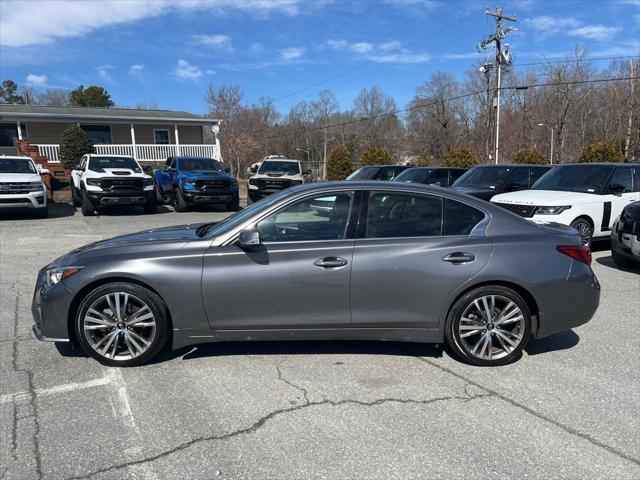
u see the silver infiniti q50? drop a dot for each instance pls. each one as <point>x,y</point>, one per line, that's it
<point>347,260</point>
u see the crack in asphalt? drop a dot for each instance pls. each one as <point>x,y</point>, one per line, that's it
<point>279,412</point>
<point>570,430</point>
<point>31,390</point>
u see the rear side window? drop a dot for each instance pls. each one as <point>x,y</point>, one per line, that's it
<point>460,219</point>
<point>393,215</point>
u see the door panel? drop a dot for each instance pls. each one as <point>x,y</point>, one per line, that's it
<point>277,286</point>
<point>404,282</point>
<point>622,177</point>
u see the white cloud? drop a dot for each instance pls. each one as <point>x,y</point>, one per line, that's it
<point>221,42</point>
<point>53,19</point>
<point>545,26</point>
<point>136,69</point>
<point>187,71</point>
<point>34,80</point>
<point>103,72</point>
<point>291,54</point>
<point>385,52</point>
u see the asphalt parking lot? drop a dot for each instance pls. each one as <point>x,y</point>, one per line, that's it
<point>570,408</point>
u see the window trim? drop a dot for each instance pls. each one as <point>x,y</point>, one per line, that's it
<point>155,141</point>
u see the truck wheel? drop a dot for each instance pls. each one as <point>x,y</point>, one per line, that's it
<point>76,200</point>
<point>87,205</point>
<point>159,195</point>
<point>179,203</point>
<point>151,204</point>
<point>233,205</point>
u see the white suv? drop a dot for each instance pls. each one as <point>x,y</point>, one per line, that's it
<point>21,186</point>
<point>589,197</point>
<point>105,180</point>
<point>275,174</point>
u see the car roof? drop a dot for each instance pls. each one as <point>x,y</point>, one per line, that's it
<point>436,167</point>
<point>107,155</point>
<point>612,164</point>
<point>514,165</point>
<point>188,157</point>
<point>280,159</point>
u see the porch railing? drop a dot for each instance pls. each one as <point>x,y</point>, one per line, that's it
<point>155,153</point>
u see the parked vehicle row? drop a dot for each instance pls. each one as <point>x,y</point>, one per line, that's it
<point>21,185</point>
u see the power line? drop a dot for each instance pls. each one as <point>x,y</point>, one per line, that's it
<point>457,97</point>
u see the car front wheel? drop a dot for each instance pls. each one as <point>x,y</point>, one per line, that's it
<point>122,324</point>
<point>87,205</point>
<point>179,203</point>
<point>584,228</point>
<point>489,326</point>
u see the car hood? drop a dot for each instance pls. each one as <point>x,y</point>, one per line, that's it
<point>205,174</point>
<point>117,172</point>
<point>19,177</point>
<point>545,197</point>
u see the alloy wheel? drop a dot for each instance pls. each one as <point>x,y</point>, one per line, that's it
<point>119,326</point>
<point>491,327</point>
<point>584,229</point>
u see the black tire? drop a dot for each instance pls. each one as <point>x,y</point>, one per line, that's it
<point>622,261</point>
<point>233,205</point>
<point>179,203</point>
<point>76,200</point>
<point>584,228</point>
<point>494,334</point>
<point>156,306</point>
<point>159,195</point>
<point>87,206</point>
<point>151,204</point>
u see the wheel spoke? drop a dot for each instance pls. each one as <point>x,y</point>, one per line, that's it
<point>100,315</point>
<point>116,342</point>
<point>487,309</point>
<point>502,344</point>
<point>139,338</point>
<point>118,312</point>
<point>111,306</point>
<point>111,338</point>
<point>471,333</point>
<point>123,309</point>
<point>501,333</point>
<point>136,345</point>
<point>511,320</point>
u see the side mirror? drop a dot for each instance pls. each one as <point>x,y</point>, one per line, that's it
<point>616,189</point>
<point>44,171</point>
<point>76,167</point>
<point>249,239</point>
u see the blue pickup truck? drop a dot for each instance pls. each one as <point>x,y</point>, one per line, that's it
<point>186,181</point>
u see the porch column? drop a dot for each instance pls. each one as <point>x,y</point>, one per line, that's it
<point>133,142</point>
<point>175,131</point>
<point>19,130</point>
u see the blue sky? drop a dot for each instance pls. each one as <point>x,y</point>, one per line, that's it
<point>168,51</point>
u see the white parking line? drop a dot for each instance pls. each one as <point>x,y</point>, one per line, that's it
<point>45,392</point>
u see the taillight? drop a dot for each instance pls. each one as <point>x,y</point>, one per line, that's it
<point>582,253</point>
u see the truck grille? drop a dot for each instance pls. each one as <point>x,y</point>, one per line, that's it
<point>15,188</point>
<point>273,184</point>
<point>526,211</point>
<point>115,184</point>
<point>213,184</point>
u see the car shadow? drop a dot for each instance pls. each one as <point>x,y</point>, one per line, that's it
<point>56,210</point>
<point>301,347</point>
<point>601,245</point>
<point>608,262</point>
<point>559,341</point>
<point>128,210</point>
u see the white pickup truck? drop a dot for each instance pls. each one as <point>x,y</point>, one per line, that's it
<point>106,180</point>
<point>21,186</point>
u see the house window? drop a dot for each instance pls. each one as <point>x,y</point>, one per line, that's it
<point>9,134</point>
<point>99,134</point>
<point>161,137</point>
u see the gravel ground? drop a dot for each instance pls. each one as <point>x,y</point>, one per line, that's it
<point>568,409</point>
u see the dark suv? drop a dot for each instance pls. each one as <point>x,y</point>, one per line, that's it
<point>485,181</point>
<point>442,176</point>
<point>377,172</point>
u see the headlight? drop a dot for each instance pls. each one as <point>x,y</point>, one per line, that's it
<point>189,183</point>
<point>253,181</point>
<point>552,210</point>
<point>56,275</point>
<point>36,186</point>
<point>95,182</point>
<point>147,182</point>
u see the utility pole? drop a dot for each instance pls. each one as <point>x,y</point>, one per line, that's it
<point>503,59</point>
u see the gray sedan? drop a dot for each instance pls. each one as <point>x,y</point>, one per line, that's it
<point>390,261</point>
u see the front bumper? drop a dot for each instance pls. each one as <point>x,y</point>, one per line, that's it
<point>50,307</point>
<point>36,199</point>
<point>208,196</point>
<point>120,197</point>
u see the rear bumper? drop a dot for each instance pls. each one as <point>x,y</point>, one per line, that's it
<point>626,244</point>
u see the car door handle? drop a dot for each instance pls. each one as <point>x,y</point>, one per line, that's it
<point>459,257</point>
<point>330,262</point>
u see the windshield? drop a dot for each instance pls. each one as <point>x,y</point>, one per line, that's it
<point>17,165</point>
<point>483,177</point>
<point>274,166</point>
<point>575,178</point>
<point>237,218</point>
<point>100,163</point>
<point>193,164</point>
<point>414,175</point>
<point>364,173</point>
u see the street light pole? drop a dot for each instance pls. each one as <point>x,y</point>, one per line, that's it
<point>305,151</point>
<point>551,129</point>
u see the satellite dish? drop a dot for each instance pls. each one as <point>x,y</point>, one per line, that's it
<point>215,128</point>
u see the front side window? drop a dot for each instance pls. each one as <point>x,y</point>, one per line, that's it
<point>170,163</point>
<point>621,179</point>
<point>392,215</point>
<point>315,218</point>
<point>16,165</point>
<point>99,134</point>
<point>460,219</point>
<point>161,137</point>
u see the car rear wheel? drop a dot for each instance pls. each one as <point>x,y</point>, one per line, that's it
<point>584,228</point>
<point>179,203</point>
<point>489,326</point>
<point>87,205</point>
<point>122,324</point>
